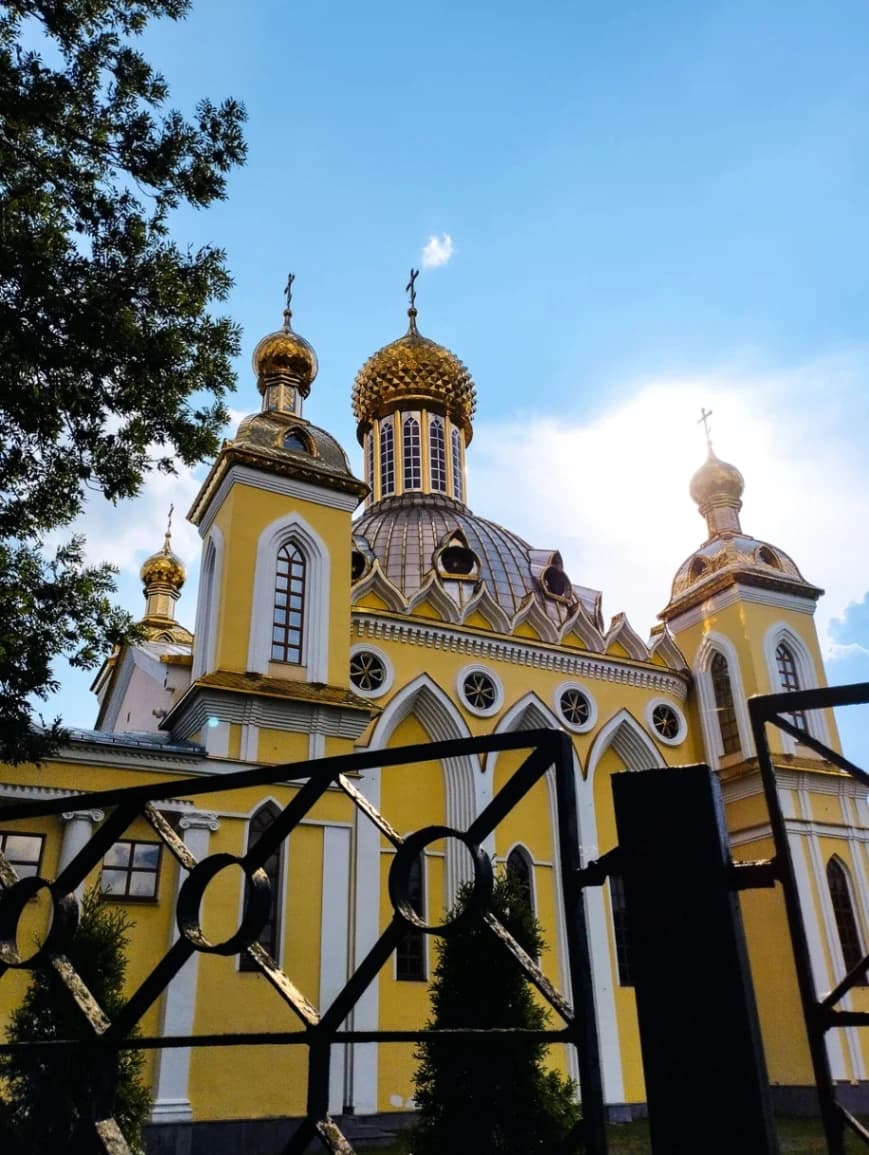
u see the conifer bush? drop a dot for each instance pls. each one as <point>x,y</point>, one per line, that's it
<point>496,1098</point>
<point>47,1098</point>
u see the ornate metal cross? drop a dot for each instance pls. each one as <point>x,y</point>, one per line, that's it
<point>410,287</point>
<point>705,414</point>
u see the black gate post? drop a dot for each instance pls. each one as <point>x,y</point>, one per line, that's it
<point>706,1082</point>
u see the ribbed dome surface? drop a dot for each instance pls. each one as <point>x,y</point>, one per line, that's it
<point>734,552</point>
<point>414,368</point>
<point>405,531</point>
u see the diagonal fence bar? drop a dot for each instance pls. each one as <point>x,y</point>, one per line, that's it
<point>320,1030</point>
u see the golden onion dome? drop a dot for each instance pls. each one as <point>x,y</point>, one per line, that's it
<point>716,484</point>
<point>163,568</point>
<point>285,357</point>
<point>413,369</point>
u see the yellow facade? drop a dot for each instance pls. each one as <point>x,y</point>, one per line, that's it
<point>319,635</point>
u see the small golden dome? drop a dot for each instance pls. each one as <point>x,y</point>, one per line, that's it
<point>163,568</point>
<point>413,368</point>
<point>284,356</point>
<point>716,483</point>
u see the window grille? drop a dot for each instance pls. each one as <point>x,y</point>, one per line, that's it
<point>724,708</point>
<point>387,458</point>
<point>412,454</point>
<point>843,909</point>
<point>456,443</point>
<point>789,679</point>
<point>437,452</point>
<point>288,622</point>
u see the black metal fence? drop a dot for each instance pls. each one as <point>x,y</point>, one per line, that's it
<point>822,1012</point>
<point>319,1030</point>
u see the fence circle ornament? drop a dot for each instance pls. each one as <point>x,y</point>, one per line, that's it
<point>256,911</point>
<point>399,879</point>
<point>64,920</point>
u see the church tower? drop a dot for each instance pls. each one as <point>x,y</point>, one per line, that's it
<point>272,638</point>
<point>742,613</point>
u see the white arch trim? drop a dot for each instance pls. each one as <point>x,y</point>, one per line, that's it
<point>207,622</point>
<point>780,632</point>
<point>629,740</point>
<point>710,644</point>
<point>315,652</point>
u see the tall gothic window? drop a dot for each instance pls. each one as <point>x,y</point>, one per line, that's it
<point>519,869</point>
<point>456,445</point>
<point>843,909</point>
<point>269,935</point>
<point>789,679</point>
<point>412,454</point>
<point>369,459</point>
<point>437,453</point>
<point>288,621</point>
<point>724,708</point>
<point>620,930</point>
<point>410,952</point>
<point>387,458</point>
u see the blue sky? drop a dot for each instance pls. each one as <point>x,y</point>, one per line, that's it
<point>652,206</point>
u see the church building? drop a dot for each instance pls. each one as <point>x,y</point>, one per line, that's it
<point>338,613</point>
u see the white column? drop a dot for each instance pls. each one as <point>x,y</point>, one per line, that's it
<point>366,928</point>
<point>77,832</point>
<point>171,1100</point>
<point>334,942</point>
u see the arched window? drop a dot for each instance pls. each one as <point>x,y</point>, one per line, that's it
<point>369,459</point>
<point>620,930</point>
<point>456,444</point>
<point>437,453</point>
<point>843,909</point>
<point>410,952</point>
<point>412,454</point>
<point>289,610</point>
<point>519,869</point>
<point>269,936</point>
<point>387,458</point>
<point>206,612</point>
<point>789,678</point>
<point>724,707</point>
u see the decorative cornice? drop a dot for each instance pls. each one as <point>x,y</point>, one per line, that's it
<point>743,585</point>
<point>713,602</point>
<point>368,624</point>
<point>338,491</point>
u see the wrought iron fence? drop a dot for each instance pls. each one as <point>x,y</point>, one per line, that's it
<point>320,1030</point>
<point>822,1013</point>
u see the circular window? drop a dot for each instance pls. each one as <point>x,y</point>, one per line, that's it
<point>370,671</point>
<point>480,691</point>
<point>576,707</point>
<point>667,722</point>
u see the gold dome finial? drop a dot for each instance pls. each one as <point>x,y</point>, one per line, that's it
<point>717,488</point>
<point>284,363</point>
<point>164,569</point>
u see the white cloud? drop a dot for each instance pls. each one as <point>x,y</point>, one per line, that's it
<point>611,492</point>
<point>437,251</point>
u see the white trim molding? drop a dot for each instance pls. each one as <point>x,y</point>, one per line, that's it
<point>713,643</point>
<point>207,622</point>
<point>778,633</point>
<point>315,639</point>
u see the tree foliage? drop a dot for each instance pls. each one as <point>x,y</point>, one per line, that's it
<point>46,1096</point>
<point>497,1098</point>
<point>111,363</point>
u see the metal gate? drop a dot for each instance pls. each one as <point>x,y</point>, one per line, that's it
<point>319,1030</point>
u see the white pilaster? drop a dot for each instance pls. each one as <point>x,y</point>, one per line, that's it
<point>77,831</point>
<point>367,926</point>
<point>171,1099</point>
<point>334,942</point>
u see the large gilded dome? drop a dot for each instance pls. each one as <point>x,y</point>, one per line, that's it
<point>413,368</point>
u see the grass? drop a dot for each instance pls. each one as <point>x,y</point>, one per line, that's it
<point>796,1137</point>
